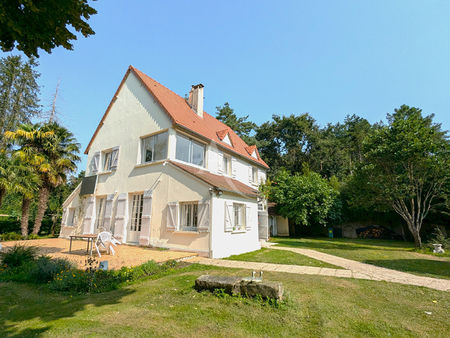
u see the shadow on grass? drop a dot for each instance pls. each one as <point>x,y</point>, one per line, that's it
<point>428,267</point>
<point>347,244</point>
<point>21,302</point>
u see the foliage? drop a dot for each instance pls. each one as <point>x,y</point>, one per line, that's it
<point>406,168</point>
<point>18,255</point>
<point>51,150</point>
<point>438,237</point>
<point>306,199</point>
<point>239,125</point>
<point>11,236</point>
<point>45,268</point>
<point>19,91</point>
<point>29,25</point>
<point>287,141</point>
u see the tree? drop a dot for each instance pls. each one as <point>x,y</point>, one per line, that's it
<point>406,167</point>
<point>287,141</point>
<point>32,24</point>
<point>304,198</point>
<point>53,152</point>
<point>19,91</point>
<point>240,125</point>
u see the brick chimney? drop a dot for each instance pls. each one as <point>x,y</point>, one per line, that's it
<point>196,99</point>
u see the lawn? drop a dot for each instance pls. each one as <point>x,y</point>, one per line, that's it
<point>169,306</point>
<point>395,255</point>
<point>280,257</point>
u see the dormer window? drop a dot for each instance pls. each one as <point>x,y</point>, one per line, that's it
<point>224,136</point>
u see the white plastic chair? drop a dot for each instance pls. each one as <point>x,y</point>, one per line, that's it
<point>106,240</point>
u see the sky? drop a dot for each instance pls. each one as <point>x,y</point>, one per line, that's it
<point>327,58</point>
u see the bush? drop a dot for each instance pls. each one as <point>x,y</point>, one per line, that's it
<point>45,269</point>
<point>18,255</point>
<point>11,236</point>
<point>438,237</point>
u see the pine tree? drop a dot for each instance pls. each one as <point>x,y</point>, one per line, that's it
<point>19,93</point>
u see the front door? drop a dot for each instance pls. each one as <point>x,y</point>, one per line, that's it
<point>135,224</point>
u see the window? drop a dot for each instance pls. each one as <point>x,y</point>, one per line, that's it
<point>239,217</point>
<point>107,161</point>
<point>154,148</point>
<point>110,159</point>
<point>136,212</point>
<point>71,217</point>
<point>190,151</point>
<point>99,221</point>
<point>189,216</point>
<point>226,165</point>
<point>254,175</point>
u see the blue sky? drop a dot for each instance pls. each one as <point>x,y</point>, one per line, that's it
<point>328,58</point>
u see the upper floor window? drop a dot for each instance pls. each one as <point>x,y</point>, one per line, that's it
<point>190,151</point>
<point>226,165</point>
<point>154,148</point>
<point>110,159</point>
<point>254,175</point>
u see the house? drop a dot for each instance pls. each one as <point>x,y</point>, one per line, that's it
<point>161,172</point>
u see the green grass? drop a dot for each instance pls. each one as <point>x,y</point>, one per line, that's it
<point>169,306</point>
<point>395,255</point>
<point>280,257</point>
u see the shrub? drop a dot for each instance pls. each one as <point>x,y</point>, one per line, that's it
<point>18,255</point>
<point>45,268</point>
<point>11,236</point>
<point>438,237</point>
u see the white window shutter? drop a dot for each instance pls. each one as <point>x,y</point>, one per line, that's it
<point>64,217</point>
<point>172,216</point>
<point>95,162</point>
<point>228,209</point>
<point>203,216</point>
<point>88,214</point>
<point>220,168</point>
<point>114,158</point>
<point>147,207</point>
<point>250,174</point>
<point>108,212</point>
<point>233,167</point>
<point>248,218</point>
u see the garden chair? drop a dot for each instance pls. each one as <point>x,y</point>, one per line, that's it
<point>105,240</point>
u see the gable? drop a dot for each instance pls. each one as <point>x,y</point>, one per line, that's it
<point>133,112</point>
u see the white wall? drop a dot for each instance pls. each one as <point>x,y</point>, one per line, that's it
<point>226,243</point>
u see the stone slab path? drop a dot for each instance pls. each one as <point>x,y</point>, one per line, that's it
<point>352,269</point>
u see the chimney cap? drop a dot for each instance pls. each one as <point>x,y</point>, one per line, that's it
<point>198,86</point>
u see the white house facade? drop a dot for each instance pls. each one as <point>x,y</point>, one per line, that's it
<point>161,172</point>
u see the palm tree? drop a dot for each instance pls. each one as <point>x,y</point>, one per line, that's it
<point>24,181</point>
<point>52,150</point>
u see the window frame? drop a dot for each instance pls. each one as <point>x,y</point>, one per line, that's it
<point>136,212</point>
<point>70,217</point>
<point>240,217</point>
<point>254,175</point>
<point>192,210</point>
<point>107,166</point>
<point>191,150</point>
<point>228,169</point>
<point>152,137</point>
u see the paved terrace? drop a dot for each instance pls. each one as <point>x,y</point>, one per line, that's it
<point>126,255</point>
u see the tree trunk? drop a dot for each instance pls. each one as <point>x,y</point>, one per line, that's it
<point>417,239</point>
<point>2,194</point>
<point>26,202</point>
<point>42,206</point>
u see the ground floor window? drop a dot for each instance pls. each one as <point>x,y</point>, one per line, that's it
<point>239,217</point>
<point>189,216</point>
<point>99,221</point>
<point>136,212</point>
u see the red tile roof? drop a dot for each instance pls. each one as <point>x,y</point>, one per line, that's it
<point>221,182</point>
<point>222,133</point>
<point>182,115</point>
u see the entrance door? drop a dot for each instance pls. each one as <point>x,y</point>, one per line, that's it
<point>134,228</point>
